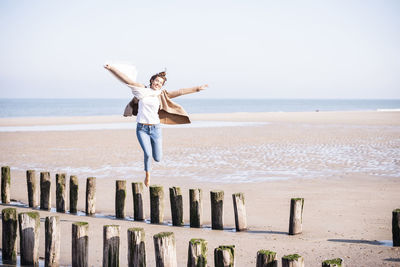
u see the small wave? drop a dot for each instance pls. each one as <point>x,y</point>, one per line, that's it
<point>388,109</point>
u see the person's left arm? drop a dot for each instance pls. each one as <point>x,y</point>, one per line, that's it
<point>185,91</point>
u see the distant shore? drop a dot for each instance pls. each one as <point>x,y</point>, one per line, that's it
<point>345,165</point>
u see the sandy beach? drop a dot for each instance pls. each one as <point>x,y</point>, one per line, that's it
<point>344,164</point>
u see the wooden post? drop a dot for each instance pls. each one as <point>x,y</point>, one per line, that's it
<point>217,210</point>
<point>31,184</point>
<point>120,195</point>
<point>396,227</point>
<point>73,194</point>
<point>197,253</point>
<point>137,192</point>
<point>9,235</point>
<point>111,245</point>
<point>45,194</point>
<point>175,197</point>
<point>293,260</point>
<point>80,244</point>
<point>52,241</point>
<point>29,227</point>
<point>240,212</point>
<point>156,204</point>
<point>333,263</point>
<point>136,247</point>
<point>5,184</point>
<point>224,256</point>
<point>196,207</point>
<point>266,258</point>
<point>296,216</point>
<point>165,249</point>
<point>60,192</point>
<point>90,196</point>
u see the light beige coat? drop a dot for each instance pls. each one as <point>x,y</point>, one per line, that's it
<point>169,112</point>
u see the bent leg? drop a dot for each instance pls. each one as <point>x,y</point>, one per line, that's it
<point>156,143</point>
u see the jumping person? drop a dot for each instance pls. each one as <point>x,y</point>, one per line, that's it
<point>152,105</point>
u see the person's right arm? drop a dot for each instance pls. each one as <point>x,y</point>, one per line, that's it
<point>122,76</point>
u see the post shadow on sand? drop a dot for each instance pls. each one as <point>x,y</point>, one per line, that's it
<point>356,241</point>
<point>392,259</point>
<point>266,232</point>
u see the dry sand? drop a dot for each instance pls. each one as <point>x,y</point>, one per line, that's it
<point>345,164</point>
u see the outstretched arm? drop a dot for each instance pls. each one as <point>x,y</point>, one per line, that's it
<point>185,91</point>
<point>122,77</point>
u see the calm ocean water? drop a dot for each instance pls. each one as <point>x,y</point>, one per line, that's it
<point>98,107</point>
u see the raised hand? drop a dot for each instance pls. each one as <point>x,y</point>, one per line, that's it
<point>202,87</point>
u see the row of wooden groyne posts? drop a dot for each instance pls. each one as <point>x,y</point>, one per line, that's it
<point>164,243</point>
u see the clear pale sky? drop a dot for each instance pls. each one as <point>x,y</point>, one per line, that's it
<point>251,49</point>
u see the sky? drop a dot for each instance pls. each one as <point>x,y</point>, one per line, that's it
<point>334,49</point>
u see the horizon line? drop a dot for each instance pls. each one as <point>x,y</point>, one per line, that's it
<point>194,98</point>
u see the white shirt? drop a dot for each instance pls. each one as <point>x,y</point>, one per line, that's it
<point>149,104</point>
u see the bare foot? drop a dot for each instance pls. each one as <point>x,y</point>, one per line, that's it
<point>147,179</point>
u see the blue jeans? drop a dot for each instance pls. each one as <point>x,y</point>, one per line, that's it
<point>150,139</point>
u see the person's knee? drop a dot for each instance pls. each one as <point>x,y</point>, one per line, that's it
<point>157,157</point>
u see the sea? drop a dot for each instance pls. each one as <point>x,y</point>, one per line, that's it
<point>101,107</point>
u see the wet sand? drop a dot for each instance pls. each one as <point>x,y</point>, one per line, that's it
<point>345,165</point>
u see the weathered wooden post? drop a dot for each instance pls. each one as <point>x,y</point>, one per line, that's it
<point>293,260</point>
<point>217,210</point>
<point>111,245</point>
<point>296,216</point>
<point>45,193</point>
<point>136,247</point>
<point>90,196</point>
<point>266,258</point>
<point>9,235</point>
<point>396,227</point>
<point>60,192</point>
<point>29,227</point>
<point>73,194</point>
<point>240,212</point>
<point>196,207</point>
<point>165,249</point>
<point>80,244</point>
<point>5,185</point>
<point>224,256</point>
<point>120,195</point>
<point>31,184</point>
<point>333,263</point>
<point>197,253</point>
<point>52,241</point>
<point>137,192</point>
<point>156,204</point>
<point>175,197</point>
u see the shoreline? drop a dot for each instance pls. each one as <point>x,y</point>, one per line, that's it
<point>391,118</point>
